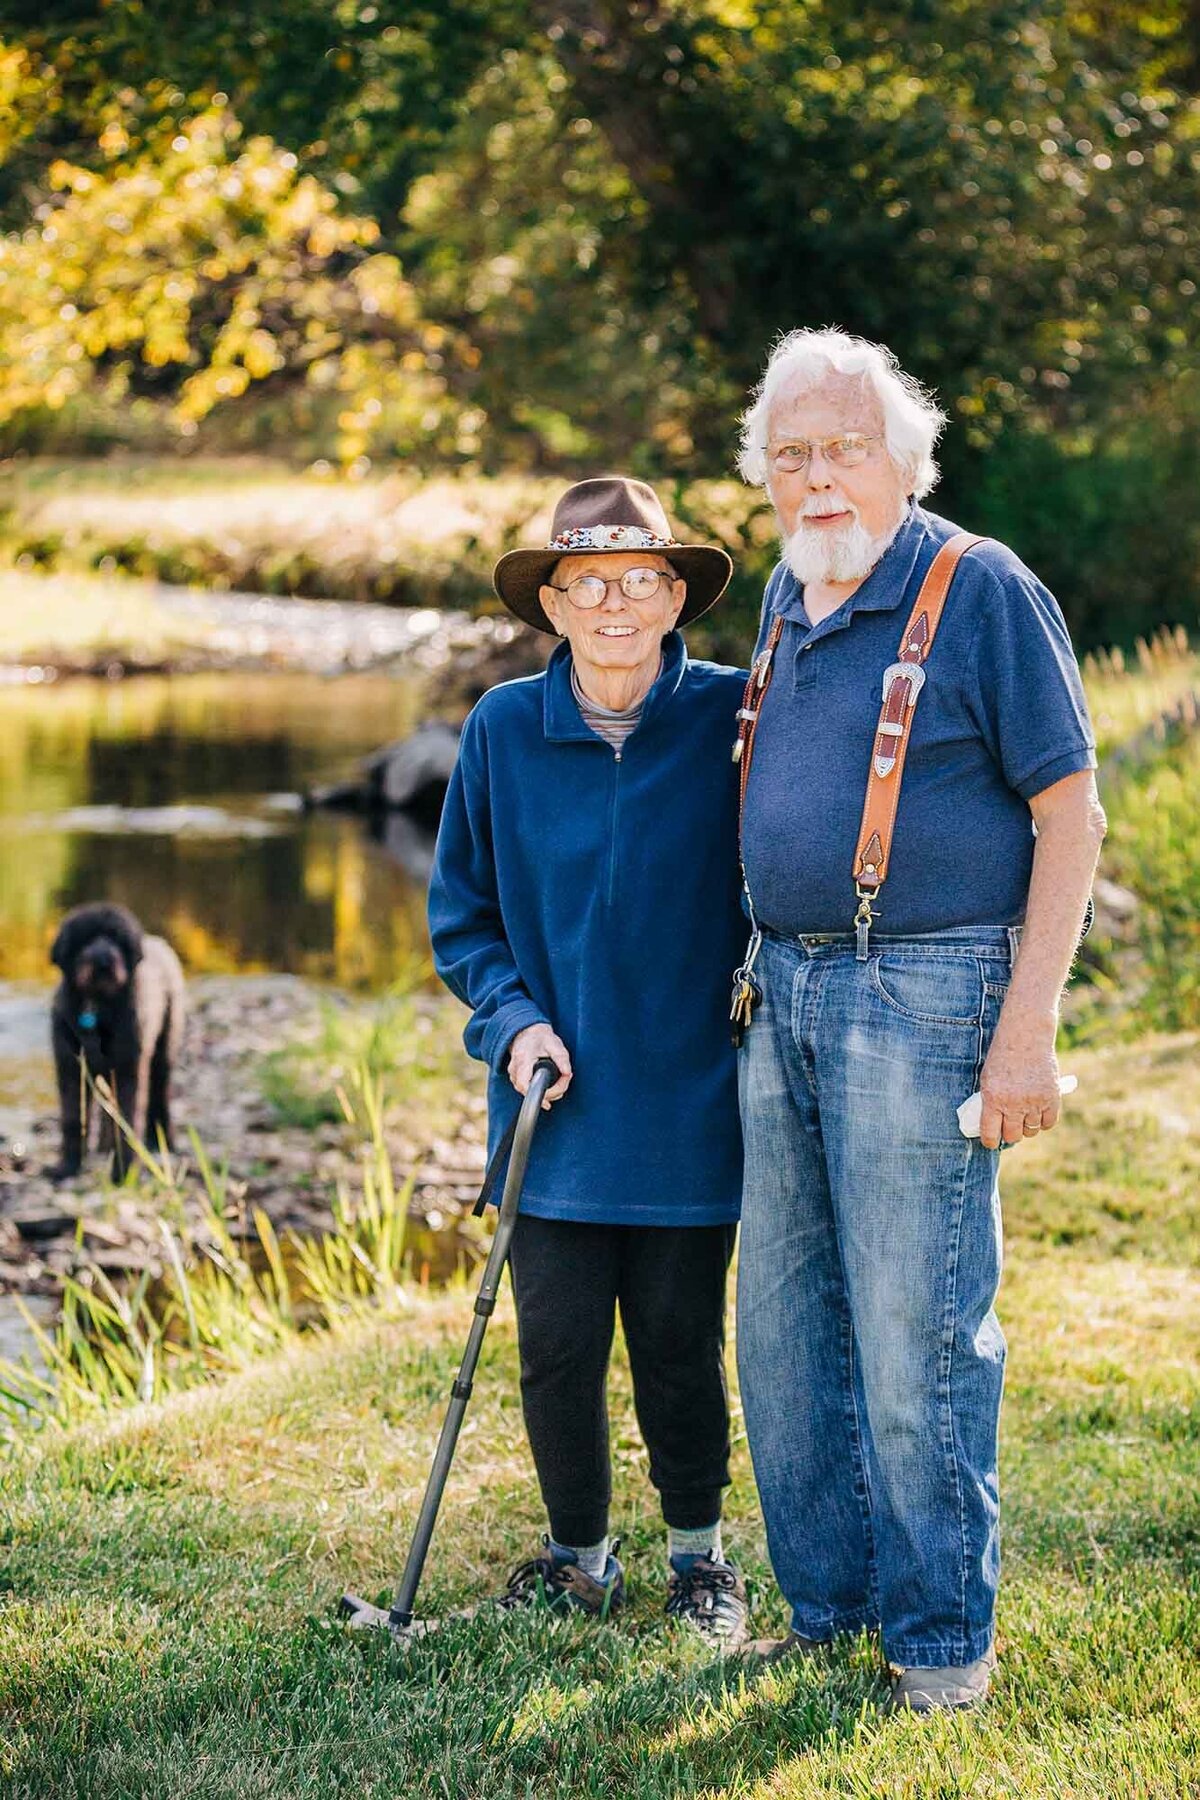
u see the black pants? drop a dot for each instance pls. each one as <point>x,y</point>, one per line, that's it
<point>669,1282</point>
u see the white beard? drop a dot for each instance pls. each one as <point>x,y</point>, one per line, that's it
<point>817,555</point>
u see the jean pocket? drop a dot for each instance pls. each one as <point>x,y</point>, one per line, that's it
<point>943,990</point>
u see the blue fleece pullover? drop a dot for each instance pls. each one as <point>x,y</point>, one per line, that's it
<point>598,891</point>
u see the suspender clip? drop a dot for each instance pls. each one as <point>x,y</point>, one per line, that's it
<point>864,918</point>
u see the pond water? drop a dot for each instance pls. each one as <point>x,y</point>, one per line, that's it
<point>178,796</point>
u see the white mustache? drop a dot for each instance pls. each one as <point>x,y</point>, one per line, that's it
<point>816,511</point>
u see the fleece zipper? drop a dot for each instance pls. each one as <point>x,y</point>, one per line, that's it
<point>614,824</point>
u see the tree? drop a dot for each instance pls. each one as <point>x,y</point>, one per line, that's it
<point>362,93</point>
<point>610,207</point>
<point>205,269</point>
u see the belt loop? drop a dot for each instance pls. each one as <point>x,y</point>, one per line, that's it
<point>1014,943</point>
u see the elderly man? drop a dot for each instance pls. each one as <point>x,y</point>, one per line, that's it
<point>914,946</point>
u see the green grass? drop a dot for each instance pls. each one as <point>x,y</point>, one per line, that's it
<point>1147,977</point>
<point>169,1573</point>
<point>219,1303</point>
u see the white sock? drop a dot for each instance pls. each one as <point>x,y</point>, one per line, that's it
<point>704,1540</point>
<point>592,1558</point>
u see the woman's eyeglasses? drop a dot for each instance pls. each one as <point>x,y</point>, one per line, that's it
<point>846,451</point>
<point>636,584</point>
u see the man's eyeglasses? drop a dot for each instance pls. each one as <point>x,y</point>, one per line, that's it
<point>636,584</point>
<point>846,451</point>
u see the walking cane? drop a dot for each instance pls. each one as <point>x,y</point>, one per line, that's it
<point>399,1621</point>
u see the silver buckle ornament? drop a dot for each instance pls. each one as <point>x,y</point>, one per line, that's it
<point>914,675</point>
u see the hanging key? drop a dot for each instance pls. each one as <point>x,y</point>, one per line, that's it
<point>746,996</point>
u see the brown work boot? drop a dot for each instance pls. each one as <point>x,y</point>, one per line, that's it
<point>950,1689</point>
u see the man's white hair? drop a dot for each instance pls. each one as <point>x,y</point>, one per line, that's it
<point>801,360</point>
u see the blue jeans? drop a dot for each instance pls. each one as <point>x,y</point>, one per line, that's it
<point>870,1356</point>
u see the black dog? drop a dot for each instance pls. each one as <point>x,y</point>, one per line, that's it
<point>118,1013</point>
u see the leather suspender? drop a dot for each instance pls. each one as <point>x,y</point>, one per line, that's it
<point>746,991</point>
<point>902,684</point>
<point>756,692</point>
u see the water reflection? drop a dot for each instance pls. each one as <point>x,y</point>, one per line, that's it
<point>234,878</point>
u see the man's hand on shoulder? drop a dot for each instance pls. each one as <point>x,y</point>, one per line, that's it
<point>528,1047</point>
<point>1020,1080</point>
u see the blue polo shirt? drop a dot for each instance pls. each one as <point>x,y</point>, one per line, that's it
<point>1001,717</point>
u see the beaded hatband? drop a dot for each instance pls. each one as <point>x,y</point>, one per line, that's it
<point>611,537</point>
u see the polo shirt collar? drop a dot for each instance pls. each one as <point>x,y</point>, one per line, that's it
<point>882,591</point>
<point>561,717</point>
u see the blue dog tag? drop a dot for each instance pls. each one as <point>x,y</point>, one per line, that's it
<point>88,1021</point>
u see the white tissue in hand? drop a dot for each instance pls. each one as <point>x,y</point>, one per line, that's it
<point>970,1113</point>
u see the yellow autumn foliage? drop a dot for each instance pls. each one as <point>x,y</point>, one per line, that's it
<point>219,260</point>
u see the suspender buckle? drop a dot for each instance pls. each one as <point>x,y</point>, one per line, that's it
<point>912,672</point>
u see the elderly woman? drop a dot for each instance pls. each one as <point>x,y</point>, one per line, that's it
<point>585,906</point>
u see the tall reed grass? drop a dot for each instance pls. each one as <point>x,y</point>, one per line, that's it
<point>1153,848</point>
<point>219,1301</point>
<point>1146,710</point>
<point>1128,693</point>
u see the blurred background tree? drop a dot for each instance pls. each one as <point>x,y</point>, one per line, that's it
<point>561,233</point>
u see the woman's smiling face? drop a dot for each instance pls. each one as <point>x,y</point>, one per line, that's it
<point>620,633</point>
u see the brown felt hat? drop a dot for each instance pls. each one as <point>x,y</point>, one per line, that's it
<point>610,512</point>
